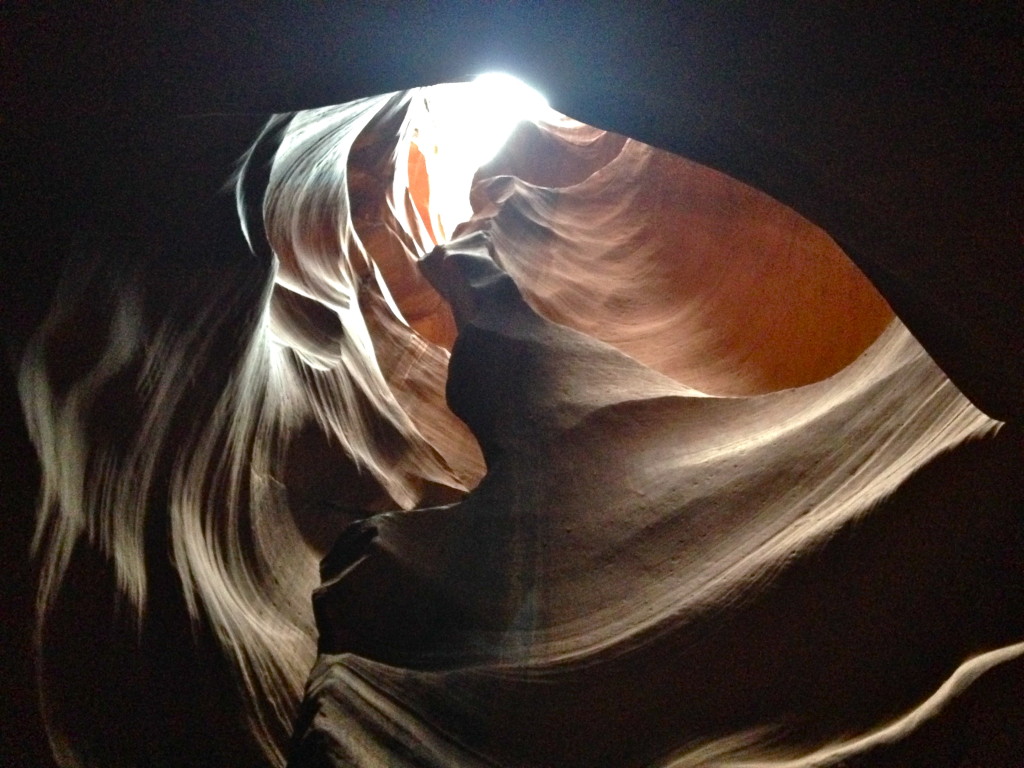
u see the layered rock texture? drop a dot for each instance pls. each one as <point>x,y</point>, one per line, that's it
<point>631,465</point>
<point>650,570</point>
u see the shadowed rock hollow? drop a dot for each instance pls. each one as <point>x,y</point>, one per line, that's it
<point>634,467</point>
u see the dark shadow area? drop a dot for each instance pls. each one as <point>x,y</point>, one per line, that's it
<point>896,129</point>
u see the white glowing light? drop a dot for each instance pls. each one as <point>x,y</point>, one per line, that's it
<point>478,116</point>
<point>502,102</point>
<point>464,127</point>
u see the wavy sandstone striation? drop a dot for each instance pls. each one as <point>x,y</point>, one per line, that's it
<point>644,568</point>
<point>635,468</point>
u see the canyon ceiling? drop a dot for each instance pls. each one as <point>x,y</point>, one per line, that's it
<point>732,471</point>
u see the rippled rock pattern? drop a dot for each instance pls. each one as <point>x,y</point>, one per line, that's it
<point>634,467</point>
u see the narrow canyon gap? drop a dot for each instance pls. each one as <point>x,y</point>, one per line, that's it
<point>714,525</point>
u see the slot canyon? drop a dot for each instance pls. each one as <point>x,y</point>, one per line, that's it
<point>682,429</point>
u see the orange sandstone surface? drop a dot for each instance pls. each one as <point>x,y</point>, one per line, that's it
<point>632,468</point>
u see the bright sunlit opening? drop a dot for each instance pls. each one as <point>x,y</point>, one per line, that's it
<point>463,126</point>
<point>502,102</point>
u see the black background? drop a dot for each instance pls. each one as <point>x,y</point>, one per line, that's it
<point>897,129</point>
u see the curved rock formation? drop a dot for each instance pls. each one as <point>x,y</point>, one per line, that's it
<point>723,508</point>
<point>644,568</point>
<point>631,528</point>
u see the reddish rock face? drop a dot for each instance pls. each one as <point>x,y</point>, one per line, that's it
<point>706,440</point>
<point>643,471</point>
